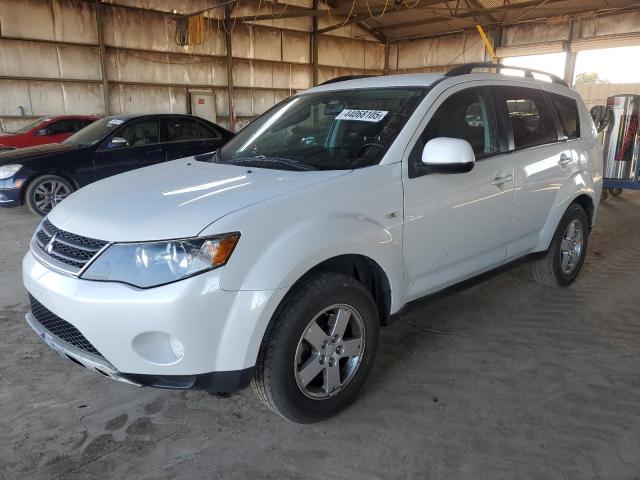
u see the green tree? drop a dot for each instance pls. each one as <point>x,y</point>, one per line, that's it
<point>590,77</point>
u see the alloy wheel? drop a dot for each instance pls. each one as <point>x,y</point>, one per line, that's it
<point>571,247</point>
<point>329,352</point>
<point>49,193</point>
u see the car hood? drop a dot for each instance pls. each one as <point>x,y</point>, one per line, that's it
<point>173,200</point>
<point>31,154</point>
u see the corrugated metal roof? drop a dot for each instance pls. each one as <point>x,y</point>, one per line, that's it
<point>402,19</point>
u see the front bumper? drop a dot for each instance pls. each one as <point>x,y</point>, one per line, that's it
<point>10,196</point>
<point>219,331</point>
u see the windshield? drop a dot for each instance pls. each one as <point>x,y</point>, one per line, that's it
<point>92,134</point>
<point>31,125</point>
<point>335,130</point>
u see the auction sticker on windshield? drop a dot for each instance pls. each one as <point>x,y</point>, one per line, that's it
<point>362,115</point>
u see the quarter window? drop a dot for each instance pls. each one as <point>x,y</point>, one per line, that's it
<point>467,115</point>
<point>208,132</point>
<point>567,109</point>
<point>530,119</point>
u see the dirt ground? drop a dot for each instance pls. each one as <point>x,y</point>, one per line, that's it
<point>504,380</point>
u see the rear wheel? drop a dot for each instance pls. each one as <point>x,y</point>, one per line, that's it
<point>46,192</point>
<point>318,350</point>
<point>563,260</point>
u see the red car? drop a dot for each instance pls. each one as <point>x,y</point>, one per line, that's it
<point>46,130</point>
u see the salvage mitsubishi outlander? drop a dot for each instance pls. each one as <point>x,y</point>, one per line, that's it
<point>275,260</point>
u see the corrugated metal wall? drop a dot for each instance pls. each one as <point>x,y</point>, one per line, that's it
<point>50,59</point>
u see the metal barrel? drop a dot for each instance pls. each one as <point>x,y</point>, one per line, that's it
<point>622,138</point>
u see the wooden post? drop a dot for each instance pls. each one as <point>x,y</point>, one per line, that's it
<point>314,47</point>
<point>103,69</point>
<point>227,29</point>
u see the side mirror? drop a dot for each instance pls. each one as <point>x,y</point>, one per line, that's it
<point>447,155</point>
<point>42,132</point>
<point>117,142</point>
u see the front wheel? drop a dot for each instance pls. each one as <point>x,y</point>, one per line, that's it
<point>563,260</point>
<point>46,192</point>
<point>318,350</point>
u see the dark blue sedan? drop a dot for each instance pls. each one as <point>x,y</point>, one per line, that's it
<point>42,176</point>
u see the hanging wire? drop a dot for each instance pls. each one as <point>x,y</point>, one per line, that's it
<point>334,26</point>
<point>376,17</point>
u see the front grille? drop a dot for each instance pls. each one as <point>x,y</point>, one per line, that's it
<point>66,247</point>
<point>61,328</point>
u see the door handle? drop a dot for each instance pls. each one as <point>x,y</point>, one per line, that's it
<point>564,160</point>
<point>501,180</point>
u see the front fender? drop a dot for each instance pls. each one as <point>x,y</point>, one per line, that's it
<point>279,262</point>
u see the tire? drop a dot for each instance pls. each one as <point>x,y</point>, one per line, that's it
<point>279,378</point>
<point>559,267</point>
<point>616,192</point>
<point>45,192</point>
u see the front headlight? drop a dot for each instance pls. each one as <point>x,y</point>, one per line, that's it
<point>8,171</point>
<point>151,264</point>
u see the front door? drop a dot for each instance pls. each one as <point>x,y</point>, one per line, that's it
<point>457,225</point>
<point>137,145</point>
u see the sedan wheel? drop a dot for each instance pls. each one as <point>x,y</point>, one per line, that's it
<point>46,192</point>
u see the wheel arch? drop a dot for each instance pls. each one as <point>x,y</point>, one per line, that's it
<point>584,198</point>
<point>365,270</point>
<point>38,175</point>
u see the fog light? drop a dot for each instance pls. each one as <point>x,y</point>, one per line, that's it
<point>177,347</point>
<point>158,347</point>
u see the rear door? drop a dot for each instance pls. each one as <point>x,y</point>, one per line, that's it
<point>181,137</point>
<point>212,138</point>
<point>137,145</point>
<point>542,158</point>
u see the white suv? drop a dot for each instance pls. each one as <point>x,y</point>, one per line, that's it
<point>275,260</point>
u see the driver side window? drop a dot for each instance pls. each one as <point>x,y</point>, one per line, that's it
<point>468,115</point>
<point>140,133</point>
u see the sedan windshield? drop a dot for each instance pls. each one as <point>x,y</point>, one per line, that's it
<point>336,130</point>
<point>92,134</point>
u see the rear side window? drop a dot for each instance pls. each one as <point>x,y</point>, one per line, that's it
<point>65,126</point>
<point>181,129</point>
<point>567,109</point>
<point>528,115</point>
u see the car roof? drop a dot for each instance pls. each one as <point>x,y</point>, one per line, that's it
<point>426,80</point>
<point>131,116</point>
<point>67,117</point>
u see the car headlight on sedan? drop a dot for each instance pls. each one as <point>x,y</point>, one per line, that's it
<point>151,264</point>
<point>8,171</point>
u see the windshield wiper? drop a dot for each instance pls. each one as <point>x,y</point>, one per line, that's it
<point>293,164</point>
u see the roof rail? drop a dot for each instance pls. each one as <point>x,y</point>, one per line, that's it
<point>344,78</point>
<point>528,72</point>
